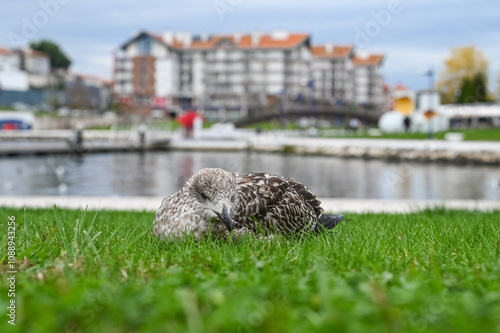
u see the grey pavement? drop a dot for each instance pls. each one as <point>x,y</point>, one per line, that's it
<point>457,146</point>
<point>245,139</point>
<point>329,204</point>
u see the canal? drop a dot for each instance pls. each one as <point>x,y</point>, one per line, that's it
<point>162,173</point>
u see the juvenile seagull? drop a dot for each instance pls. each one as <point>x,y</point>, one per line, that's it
<point>220,202</point>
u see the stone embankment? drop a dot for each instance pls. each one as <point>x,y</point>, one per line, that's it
<point>329,204</point>
<point>481,152</point>
<point>52,142</point>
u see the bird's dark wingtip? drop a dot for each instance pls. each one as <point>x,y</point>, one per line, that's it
<point>327,221</point>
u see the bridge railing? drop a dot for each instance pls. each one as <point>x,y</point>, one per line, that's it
<point>366,115</point>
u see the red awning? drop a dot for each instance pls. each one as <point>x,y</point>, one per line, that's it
<point>188,118</point>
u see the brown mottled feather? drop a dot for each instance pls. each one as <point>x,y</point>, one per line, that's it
<point>255,202</point>
<point>275,202</point>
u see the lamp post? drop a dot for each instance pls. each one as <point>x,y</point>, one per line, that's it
<point>312,131</point>
<point>282,109</point>
<point>430,113</point>
<point>312,107</point>
<point>431,75</point>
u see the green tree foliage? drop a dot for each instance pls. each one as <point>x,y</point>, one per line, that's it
<point>473,90</point>
<point>464,64</point>
<point>58,59</point>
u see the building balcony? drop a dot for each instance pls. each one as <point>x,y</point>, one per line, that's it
<point>226,70</point>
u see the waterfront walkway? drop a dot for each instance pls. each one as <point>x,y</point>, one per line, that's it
<point>330,205</point>
<point>484,152</point>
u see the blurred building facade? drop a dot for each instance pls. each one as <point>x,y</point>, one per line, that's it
<point>87,92</point>
<point>23,69</point>
<point>37,66</point>
<point>333,68</point>
<point>26,80</point>
<point>231,75</point>
<point>368,81</point>
<point>24,73</point>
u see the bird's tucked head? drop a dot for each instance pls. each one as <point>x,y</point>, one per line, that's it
<point>213,194</point>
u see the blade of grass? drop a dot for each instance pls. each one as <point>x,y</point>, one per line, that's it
<point>62,230</point>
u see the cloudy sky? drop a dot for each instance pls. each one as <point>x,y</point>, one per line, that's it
<point>415,35</point>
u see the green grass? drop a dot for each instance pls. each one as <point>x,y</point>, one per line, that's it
<point>36,113</point>
<point>153,125</point>
<point>491,134</point>
<point>433,271</point>
<point>274,125</point>
<point>469,135</point>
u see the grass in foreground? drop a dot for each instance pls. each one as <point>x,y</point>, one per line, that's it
<point>433,271</point>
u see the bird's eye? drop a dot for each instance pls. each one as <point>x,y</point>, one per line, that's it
<point>204,196</point>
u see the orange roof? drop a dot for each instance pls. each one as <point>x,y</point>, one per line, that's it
<point>208,44</point>
<point>36,53</point>
<point>400,86</point>
<point>87,77</point>
<point>177,43</point>
<point>267,41</point>
<point>245,41</point>
<point>25,51</point>
<point>338,51</point>
<point>4,51</point>
<point>155,36</point>
<point>372,59</point>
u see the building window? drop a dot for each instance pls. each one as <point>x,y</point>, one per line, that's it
<point>144,45</point>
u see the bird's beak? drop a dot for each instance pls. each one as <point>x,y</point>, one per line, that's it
<point>225,218</point>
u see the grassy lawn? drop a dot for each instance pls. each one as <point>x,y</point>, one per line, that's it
<point>156,124</point>
<point>469,135</point>
<point>492,134</point>
<point>274,125</point>
<point>433,271</point>
<point>152,125</point>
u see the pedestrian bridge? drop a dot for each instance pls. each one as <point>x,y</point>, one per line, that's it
<point>324,112</point>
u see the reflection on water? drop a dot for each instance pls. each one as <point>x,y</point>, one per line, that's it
<point>162,173</point>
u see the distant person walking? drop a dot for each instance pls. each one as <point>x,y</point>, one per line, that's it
<point>407,124</point>
<point>354,124</point>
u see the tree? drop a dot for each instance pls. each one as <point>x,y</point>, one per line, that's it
<point>465,73</point>
<point>480,85</point>
<point>58,59</point>
<point>473,90</point>
<point>498,93</point>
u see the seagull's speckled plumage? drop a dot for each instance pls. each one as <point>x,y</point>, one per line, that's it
<point>217,201</point>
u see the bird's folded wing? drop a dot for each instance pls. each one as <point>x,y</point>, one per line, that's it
<point>307,196</point>
<point>266,197</point>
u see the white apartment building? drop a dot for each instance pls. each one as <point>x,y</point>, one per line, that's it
<point>37,65</point>
<point>220,72</point>
<point>332,69</point>
<point>231,75</point>
<point>368,80</point>
<point>11,75</point>
<point>21,70</point>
